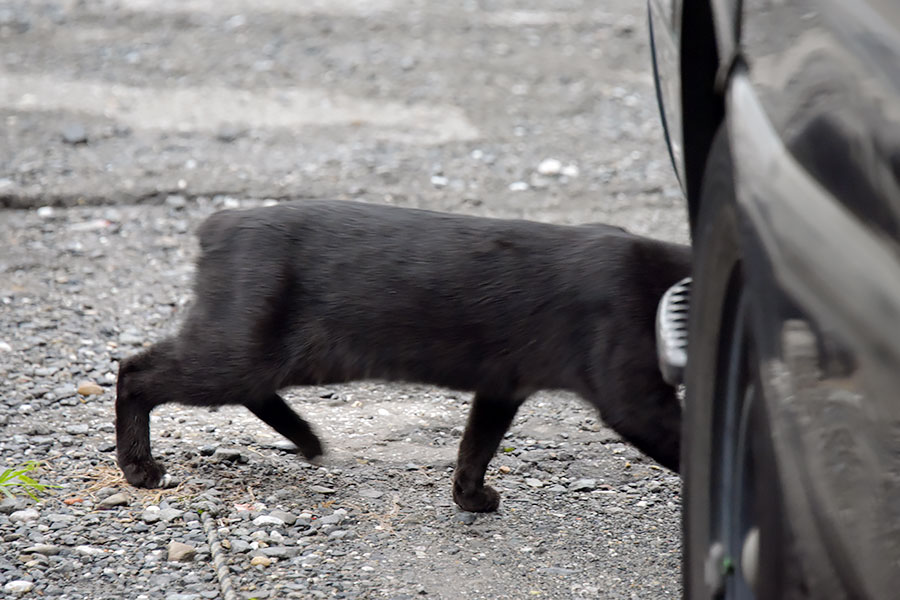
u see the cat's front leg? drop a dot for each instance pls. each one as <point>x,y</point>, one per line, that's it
<point>275,412</point>
<point>489,419</point>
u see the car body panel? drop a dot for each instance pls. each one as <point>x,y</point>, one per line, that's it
<point>812,104</point>
<point>665,22</point>
<point>829,365</point>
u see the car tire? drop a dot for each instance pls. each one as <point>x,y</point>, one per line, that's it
<point>733,530</point>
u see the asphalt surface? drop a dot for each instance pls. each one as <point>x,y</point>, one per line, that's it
<point>128,121</point>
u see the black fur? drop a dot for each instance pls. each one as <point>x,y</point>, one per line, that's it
<point>328,292</point>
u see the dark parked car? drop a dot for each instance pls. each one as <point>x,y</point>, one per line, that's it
<point>782,118</point>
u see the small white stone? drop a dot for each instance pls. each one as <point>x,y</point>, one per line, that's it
<point>439,181</point>
<point>535,483</point>
<point>18,586</point>
<point>518,186</point>
<point>90,550</point>
<point>23,516</point>
<point>550,166</point>
<point>4,347</point>
<point>570,171</point>
<point>45,212</point>
<point>263,520</point>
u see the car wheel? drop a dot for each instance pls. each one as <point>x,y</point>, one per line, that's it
<point>732,514</point>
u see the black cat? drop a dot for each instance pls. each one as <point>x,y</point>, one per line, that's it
<point>329,292</point>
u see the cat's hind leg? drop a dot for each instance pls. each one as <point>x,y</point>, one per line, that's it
<point>275,412</point>
<point>141,377</point>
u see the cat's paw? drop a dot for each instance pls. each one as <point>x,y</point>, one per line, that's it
<point>310,447</point>
<point>146,474</point>
<point>483,499</point>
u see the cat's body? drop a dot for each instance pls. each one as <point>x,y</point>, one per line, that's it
<point>328,292</point>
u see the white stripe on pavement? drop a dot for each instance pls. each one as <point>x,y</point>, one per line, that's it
<point>206,108</point>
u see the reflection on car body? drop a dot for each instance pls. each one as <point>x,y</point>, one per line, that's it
<point>804,97</point>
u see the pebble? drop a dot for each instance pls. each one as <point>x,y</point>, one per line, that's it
<point>261,561</point>
<point>176,201</point>
<point>18,586</point>
<point>550,166</point>
<point>229,455</point>
<point>89,388</point>
<point>150,514</point>
<point>535,483</point>
<point>321,489</point>
<point>45,549</point>
<point>371,493</point>
<point>518,186</point>
<point>11,505</point>
<point>439,181</point>
<point>74,133</point>
<point>23,516</point>
<point>120,499</point>
<point>228,133</point>
<point>263,520</point>
<point>78,429</point>
<point>570,171</point>
<point>466,517</point>
<point>286,446</point>
<point>278,551</point>
<point>170,514</point>
<point>91,551</point>
<point>239,546</point>
<point>4,347</point>
<point>558,571</point>
<point>286,517</point>
<point>332,519</point>
<point>582,485</point>
<point>130,338</point>
<point>92,225</point>
<point>180,552</point>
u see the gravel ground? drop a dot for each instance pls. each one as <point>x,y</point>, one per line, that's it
<point>128,121</point>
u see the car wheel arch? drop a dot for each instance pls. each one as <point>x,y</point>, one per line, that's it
<point>702,106</point>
